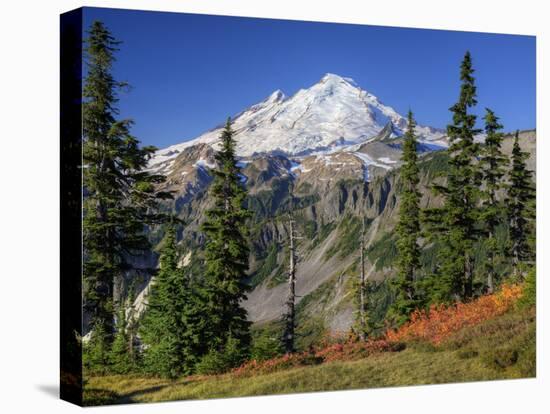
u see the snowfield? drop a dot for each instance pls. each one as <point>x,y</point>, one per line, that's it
<point>331,115</point>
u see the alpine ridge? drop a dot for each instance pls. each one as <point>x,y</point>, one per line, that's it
<point>331,115</point>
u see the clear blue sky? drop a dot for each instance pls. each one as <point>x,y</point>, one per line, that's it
<point>189,72</point>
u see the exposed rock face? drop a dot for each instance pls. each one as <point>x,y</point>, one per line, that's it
<point>333,192</point>
<point>337,149</point>
<point>528,143</point>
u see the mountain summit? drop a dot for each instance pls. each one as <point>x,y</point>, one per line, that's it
<point>333,113</point>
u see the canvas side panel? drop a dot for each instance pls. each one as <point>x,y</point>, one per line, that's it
<point>71,206</point>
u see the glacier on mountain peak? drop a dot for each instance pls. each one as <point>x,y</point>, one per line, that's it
<point>333,113</point>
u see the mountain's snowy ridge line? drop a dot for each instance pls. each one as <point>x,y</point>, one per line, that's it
<point>331,115</point>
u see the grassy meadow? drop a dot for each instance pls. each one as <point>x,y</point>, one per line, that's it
<point>502,347</point>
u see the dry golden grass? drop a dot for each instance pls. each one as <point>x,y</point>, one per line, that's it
<point>501,348</point>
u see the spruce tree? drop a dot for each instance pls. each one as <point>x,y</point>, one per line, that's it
<point>521,210</point>
<point>170,329</point>
<point>492,164</point>
<point>226,251</point>
<point>454,225</point>
<point>119,197</point>
<point>408,230</point>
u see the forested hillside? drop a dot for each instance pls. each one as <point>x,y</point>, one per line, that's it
<point>210,257</point>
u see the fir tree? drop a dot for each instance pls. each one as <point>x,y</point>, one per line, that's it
<point>227,251</point>
<point>408,230</point>
<point>454,224</point>
<point>120,357</point>
<point>119,197</point>
<point>170,329</point>
<point>96,352</point>
<point>492,164</point>
<point>521,212</point>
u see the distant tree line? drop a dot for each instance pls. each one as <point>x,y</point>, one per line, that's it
<point>481,194</point>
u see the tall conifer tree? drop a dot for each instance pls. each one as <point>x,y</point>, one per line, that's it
<point>492,164</point>
<point>171,326</point>
<point>521,210</point>
<point>455,223</point>
<point>119,197</point>
<point>227,251</point>
<point>408,230</point>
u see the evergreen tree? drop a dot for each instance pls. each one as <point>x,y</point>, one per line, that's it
<point>119,197</point>
<point>408,231</point>
<point>120,357</point>
<point>170,329</point>
<point>266,345</point>
<point>492,164</point>
<point>219,361</point>
<point>226,251</point>
<point>455,223</point>
<point>95,355</point>
<point>521,210</point>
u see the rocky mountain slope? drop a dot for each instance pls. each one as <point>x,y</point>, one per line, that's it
<point>342,172</point>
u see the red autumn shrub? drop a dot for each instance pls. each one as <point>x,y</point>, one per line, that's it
<point>434,326</point>
<point>277,364</point>
<point>349,350</point>
<point>352,350</point>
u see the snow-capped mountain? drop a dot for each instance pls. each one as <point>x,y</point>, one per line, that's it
<point>330,115</point>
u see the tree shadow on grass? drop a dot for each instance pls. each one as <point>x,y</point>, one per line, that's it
<point>99,396</point>
<point>130,397</point>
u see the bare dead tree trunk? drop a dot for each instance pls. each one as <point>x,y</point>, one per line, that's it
<point>515,254</point>
<point>490,273</point>
<point>290,303</point>
<point>469,277</point>
<point>362,310</point>
<point>130,328</point>
<point>490,282</point>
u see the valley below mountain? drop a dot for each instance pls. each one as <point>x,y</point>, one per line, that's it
<point>330,154</point>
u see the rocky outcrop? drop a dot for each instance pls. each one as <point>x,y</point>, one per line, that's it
<point>331,194</point>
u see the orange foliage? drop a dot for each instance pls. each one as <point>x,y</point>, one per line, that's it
<point>441,321</point>
<point>434,325</point>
